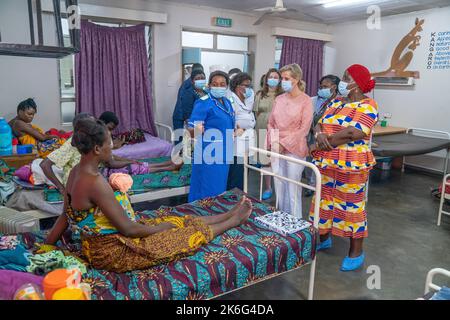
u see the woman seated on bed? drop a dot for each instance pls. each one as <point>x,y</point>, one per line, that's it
<point>28,133</point>
<point>111,237</point>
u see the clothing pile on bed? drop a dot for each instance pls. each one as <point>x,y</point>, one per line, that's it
<point>235,259</point>
<point>7,186</point>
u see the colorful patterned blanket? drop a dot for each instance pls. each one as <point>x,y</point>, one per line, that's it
<point>233,260</point>
<point>166,179</point>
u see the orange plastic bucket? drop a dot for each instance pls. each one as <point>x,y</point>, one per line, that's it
<point>58,279</point>
<point>69,294</point>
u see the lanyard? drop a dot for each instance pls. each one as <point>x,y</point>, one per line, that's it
<point>230,110</point>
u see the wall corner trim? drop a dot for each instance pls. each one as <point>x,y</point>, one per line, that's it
<point>302,34</point>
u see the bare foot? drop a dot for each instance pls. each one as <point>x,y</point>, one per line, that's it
<point>233,211</point>
<point>243,213</point>
<point>248,208</point>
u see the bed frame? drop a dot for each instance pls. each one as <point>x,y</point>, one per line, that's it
<point>429,285</point>
<point>429,134</point>
<point>316,189</point>
<point>164,132</point>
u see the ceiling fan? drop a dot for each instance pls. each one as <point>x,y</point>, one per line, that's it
<point>278,8</point>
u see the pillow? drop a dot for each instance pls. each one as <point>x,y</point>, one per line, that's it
<point>131,137</point>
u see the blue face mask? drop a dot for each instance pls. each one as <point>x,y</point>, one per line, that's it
<point>248,93</point>
<point>343,89</point>
<point>200,84</point>
<point>324,93</point>
<point>218,92</point>
<point>286,85</point>
<point>273,82</point>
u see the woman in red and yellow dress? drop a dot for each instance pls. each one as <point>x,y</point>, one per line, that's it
<point>342,154</point>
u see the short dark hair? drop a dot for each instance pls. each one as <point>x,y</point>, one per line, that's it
<point>80,116</point>
<point>27,104</point>
<point>196,72</point>
<point>238,79</point>
<point>219,73</point>
<point>197,66</point>
<point>109,117</point>
<point>233,71</point>
<point>334,79</point>
<point>89,133</point>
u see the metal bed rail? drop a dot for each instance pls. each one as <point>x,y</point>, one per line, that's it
<point>316,189</point>
<point>429,285</point>
<point>165,131</point>
<point>444,196</point>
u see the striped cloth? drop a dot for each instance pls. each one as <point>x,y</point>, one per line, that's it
<point>342,207</point>
<point>345,170</point>
<point>355,155</point>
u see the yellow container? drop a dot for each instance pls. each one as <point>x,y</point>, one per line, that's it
<point>69,294</point>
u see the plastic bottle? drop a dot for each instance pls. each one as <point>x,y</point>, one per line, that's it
<point>29,291</point>
<point>5,138</point>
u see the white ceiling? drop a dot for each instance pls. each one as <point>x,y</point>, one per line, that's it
<point>312,11</point>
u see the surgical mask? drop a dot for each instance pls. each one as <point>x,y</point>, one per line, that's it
<point>248,93</point>
<point>286,85</point>
<point>200,84</point>
<point>273,82</point>
<point>218,92</point>
<point>324,93</point>
<point>343,88</point>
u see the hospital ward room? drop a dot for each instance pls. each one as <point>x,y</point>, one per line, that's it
<point>243,151</point>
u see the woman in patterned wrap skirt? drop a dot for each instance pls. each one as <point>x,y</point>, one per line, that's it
<point>342,154</point>
<point>111,237</point>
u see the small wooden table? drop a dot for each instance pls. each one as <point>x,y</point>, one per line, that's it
<point>384,131</point>
<point>19,160</point>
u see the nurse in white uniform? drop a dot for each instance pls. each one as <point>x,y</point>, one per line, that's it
<point>242,99</point>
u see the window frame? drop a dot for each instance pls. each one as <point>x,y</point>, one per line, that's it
<point>215,34</point>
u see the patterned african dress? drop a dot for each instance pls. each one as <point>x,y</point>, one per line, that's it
<point>106,249</point>
<point>44,148</point>
<point>345,170</point>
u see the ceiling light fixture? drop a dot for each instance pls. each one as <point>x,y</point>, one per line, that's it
<point>342,3</point>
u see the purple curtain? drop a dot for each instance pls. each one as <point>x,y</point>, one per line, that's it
<point>308,54</point>
<point>112,75</point>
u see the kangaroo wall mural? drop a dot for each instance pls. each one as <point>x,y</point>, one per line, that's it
<point>400,59</point>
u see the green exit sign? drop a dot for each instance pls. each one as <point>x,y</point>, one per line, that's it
<point>221,22</point>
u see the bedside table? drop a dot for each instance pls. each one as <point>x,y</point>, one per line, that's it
<point>19,160</point>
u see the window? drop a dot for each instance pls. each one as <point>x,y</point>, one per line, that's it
<point>218,51</point>
<point>67,72</point>
<point>278,47</point>
<point>197,40</point>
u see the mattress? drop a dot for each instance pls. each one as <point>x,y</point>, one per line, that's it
<point>406,144</point>
<point>153,147</point>
<point>236,259</point>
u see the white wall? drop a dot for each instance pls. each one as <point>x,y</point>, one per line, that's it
<point>425,105</point>
<point>42,77</point>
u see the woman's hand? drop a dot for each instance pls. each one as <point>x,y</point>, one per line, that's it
<point>200,128</point>
<point>322,142</point>
<point>277,147</point>
<point>238,132</point>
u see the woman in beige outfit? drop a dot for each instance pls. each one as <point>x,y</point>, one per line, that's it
<point>271,88</point>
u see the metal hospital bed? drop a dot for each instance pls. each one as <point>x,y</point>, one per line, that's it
<point>166,133</point>
<point>316,189</point>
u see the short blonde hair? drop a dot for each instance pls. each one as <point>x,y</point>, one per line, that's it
<point>296,73</point>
